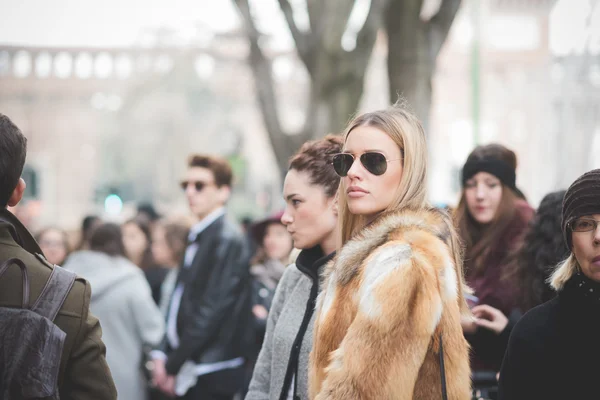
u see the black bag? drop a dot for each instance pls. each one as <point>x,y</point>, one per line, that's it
<point>31,345</point>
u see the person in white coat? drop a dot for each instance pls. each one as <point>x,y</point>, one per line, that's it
<point>122,301</point>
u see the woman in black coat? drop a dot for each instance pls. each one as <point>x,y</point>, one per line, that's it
<point>554,349</point>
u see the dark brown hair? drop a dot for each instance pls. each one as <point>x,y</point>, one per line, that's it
<point>315,157</point>
<point>13,150</point>
<point>176,234</point>
<point>482,241</point>
<point>542,249</point>
<point>219,166</point>
<point>107,239</point>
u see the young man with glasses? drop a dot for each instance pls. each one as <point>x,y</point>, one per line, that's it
<point>202,355</point>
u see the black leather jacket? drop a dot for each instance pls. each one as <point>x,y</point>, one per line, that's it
<point>215,310</point>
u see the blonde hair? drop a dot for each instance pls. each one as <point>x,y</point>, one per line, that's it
<point>563,272</point>
<point>406,131</point>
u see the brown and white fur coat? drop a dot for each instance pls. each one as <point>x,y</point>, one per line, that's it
<point>387,297</point>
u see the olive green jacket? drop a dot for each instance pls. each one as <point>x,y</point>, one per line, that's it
<point>84,373</point>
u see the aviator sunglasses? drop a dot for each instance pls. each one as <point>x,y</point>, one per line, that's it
<point>374,162</point>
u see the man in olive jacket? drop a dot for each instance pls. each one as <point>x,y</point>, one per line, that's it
<point>84,373</point>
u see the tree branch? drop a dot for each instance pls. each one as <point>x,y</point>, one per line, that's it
<point>368,33</point>
<point>301,40</point>
<point>261,68</point>
<point>440,23</point>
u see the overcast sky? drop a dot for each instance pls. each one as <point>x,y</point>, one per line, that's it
<point>110,23</point>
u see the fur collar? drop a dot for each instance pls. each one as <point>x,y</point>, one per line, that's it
<point>356,250</point>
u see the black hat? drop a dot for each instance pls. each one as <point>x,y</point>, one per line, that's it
<point>582,198</point>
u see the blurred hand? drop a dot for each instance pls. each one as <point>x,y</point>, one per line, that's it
<point>468,324</point>
<point>260,312</point>
<point>490,318</point>
<point>159,373</point>
<point>168,386</point>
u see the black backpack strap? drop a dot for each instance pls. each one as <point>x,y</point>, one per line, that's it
<point>4,266</point>
<point>54,293</point>
<point>443,370</point>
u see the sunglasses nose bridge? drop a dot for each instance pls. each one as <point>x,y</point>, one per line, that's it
<point>356,164</point>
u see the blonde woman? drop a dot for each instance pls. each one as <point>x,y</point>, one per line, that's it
<point>392,300</point>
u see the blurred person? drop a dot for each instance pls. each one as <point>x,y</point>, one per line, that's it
<point>88,224</point>
<point>553,350</point>
<point>309,190</point>
<point>543,248</point>
<point>169,240</point>
<point>82,372</point>
<point>146,211</point>
<point>54,243</point>
<point>388,320</point>
<point>204,350</point>
<point>137,238</point>
<point>268,265</point>
<point>492,219</point>
<point>122,300</point>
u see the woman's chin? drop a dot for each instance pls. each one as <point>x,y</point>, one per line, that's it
<point>362,208</point>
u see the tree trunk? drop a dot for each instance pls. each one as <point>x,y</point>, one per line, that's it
<point>413,46</point>
<point>336,75</point>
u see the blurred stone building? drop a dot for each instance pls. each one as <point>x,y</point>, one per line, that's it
<point>524,73</point>
<point>122,121</point>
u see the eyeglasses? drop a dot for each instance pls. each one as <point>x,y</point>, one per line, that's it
<point>584,225</point>
<point>374,162</point>
<point>198,185</point>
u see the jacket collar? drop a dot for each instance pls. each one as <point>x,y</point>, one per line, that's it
<point>311,261</point>
<point>12,230</point>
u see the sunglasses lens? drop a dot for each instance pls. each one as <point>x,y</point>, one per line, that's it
<point>197,185</point>
<point>373,162</point>
<point>342,163</point>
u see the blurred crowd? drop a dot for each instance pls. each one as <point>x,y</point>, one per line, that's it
<point>208,307</point>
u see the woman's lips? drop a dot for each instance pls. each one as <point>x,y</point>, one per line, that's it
<point>356,191</point>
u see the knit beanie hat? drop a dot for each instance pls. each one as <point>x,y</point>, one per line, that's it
<point>582,198</point>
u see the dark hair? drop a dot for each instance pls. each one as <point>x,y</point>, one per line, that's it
<point>315,157</point>
<point>543,248</point>
<point>13,151</point>
<point>87,225</point>
<point>219,166</point>
<point>147,209</point>
<point>144,226</point>
<point>482,241</point>
<point>107,239</point>
<point>176,234</point>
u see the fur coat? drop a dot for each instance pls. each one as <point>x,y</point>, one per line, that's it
<point>387,298</point>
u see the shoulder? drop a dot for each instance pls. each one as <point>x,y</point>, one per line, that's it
<point>524,213</point>
<point>231,233</point>
<point>290,277</point>
<point>535,325</point>
<point>394,239</point>
<point>38,273</point>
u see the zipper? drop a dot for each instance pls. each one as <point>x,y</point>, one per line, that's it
<point>294,354</point>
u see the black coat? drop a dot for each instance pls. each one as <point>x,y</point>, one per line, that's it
<point>553,351</point>
<point>215,309</point>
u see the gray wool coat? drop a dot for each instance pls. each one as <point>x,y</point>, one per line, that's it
<point>283,324</point>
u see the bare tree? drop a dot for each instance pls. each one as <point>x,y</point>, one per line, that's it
<point>336,75</point>
<point>413,47</point>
